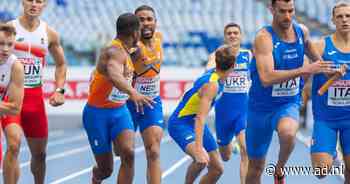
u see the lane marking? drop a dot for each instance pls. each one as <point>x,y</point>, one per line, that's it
<point>139,149</point>
<point>175,166</point>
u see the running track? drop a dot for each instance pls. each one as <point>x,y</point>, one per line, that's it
<point>69,161</point>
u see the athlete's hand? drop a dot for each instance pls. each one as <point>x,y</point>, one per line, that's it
<point>326,67</point>
<point>141,100</point>
<point>56,99</point>
<point>201,156</point>
<point>136,54</point>
<point>342,70</point>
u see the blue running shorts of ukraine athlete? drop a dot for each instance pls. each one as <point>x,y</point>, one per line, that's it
<point>182,131</point>
<point>151,117</point>
<point>260,127</point>
<point>324,137</point>
<point>229,124</point>
<point>103,125</point>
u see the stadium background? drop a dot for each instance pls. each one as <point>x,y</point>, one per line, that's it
<point>191,30</point>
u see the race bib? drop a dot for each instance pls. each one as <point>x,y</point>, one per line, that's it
<point>32,71</point>
<point>339,93</point>
<point>288,88</point>
<point>148,86</point>
<point>118,96</point>
<point>237,82</point>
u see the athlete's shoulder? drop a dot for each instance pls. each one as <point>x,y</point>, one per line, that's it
<point>111,52</point>
<point>17,66</point>
<point>52,34</point>
<point>213,76</point>
<point>302,27</point>
<point>158,35</point>
<point>263,33</point>
<point>321,43</point>
<point>263,42</point>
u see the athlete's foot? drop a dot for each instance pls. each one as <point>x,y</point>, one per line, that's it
<point>279,179</point>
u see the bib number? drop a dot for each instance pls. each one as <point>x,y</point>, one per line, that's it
<point>118,96</point>
<point>288,88</point>
<point>237,82</point>
<point>339,93</point>
<point>32,72</point>
<point>148,86</point>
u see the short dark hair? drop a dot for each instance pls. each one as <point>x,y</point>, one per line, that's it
<point>8,29</point>
<point>145,7</point>
<point>225,57</point>
<point>127,24</point>
<point>273,2</point>
<point>232,24</point>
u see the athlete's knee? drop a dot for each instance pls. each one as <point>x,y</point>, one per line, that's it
<point>226,152</point>
<point>13,146</point>
<point>225,156</point>
<point>152,151</point>
<point>107,172</point>
<point>216,169</point>
<point>199,166</point>
<point>255,169</point>
<point>102,173</point>
<point>128,155</point>
<point>287,137</point>
<point>39,157</point>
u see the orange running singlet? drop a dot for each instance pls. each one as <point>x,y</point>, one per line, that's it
<point>147,68</point>
<point>102,93</point>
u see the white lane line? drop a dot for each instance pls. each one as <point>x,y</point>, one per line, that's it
<point>53,134</point>
<point>56,133</point>
<point>306,140</point>
<point>87,170</point>
<point>61,141</point>
<point>175,166</point>
<point>57,156</point>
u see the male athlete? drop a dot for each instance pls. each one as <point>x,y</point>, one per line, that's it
<point>231,108</point>
<point>34,40</point>
<point>275,95</point>
<point>147,82</point>
<point>11,86</point>
<point>106,118</point>
<point>331,110</point>
<point>187,123</point>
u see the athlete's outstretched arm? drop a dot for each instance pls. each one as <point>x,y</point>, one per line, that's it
<point>207,94</point>
<point>263,48</point>
<point>14,92</point>
<point>57,53</point>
